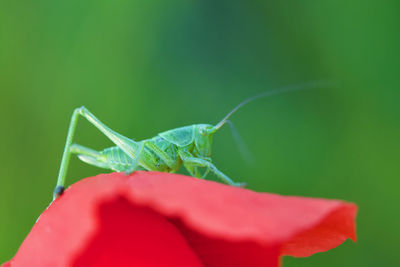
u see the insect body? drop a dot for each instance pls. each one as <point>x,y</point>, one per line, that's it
<point>166,152</point>
<point>189,146</point>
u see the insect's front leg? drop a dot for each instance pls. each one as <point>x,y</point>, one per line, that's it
<point>193,170</point>
<point>190,160</point>
<point>205,173</point>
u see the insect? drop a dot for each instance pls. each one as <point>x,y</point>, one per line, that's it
<point>189,146</point>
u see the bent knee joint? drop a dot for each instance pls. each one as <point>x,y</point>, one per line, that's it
<point>81,110</point>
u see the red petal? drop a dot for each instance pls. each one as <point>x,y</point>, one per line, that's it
<point>223,225</point>
<point>103,229</point>
<point>135,236</point>
<point>333,230</point>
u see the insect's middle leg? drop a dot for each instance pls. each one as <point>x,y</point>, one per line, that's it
<point>172,163</point>
<point>188,159</point>
<point>90,156</point>
<point>82,150</point>
<point>136,159</point>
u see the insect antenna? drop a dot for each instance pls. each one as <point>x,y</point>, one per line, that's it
<point>309,85</point>
<point>243,149</point>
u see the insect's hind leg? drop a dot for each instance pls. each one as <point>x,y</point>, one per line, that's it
<point>126,144</point>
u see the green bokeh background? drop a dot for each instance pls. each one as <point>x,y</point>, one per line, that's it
<point>147,66</point>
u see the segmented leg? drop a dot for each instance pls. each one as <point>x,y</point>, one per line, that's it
<point>193,170</point>
<point>135,161</point>
<point>90,156</point>
<point>205,173</point>
<point>82,150</point>
<point>127,145</point>
<point>189,160</point>
<point>165,157</point>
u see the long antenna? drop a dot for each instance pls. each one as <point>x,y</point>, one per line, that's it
<point>243,149</point>
<point>309,85</point>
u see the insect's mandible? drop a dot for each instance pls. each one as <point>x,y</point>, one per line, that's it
<point>189,146</point>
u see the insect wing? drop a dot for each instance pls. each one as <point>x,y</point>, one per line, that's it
<point>179,136</point>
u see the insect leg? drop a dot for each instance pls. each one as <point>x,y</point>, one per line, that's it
<point>188,159</point>
<point>135,162</point>
<point>205,173</point>
<point>90,156</point>
<point>193,170</point>
<point>169,161</point>
<point>66,156</point>
<point>127,145</point>
<point>81,150</point>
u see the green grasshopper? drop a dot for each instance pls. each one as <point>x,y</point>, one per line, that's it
<point>189,146</point>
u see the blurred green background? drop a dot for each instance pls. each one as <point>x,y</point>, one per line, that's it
<point>147,66</point>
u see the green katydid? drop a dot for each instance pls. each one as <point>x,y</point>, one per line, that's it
<point>189,146</point>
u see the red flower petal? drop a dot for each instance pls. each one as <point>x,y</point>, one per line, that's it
<point>161,219</point>
<point>333,230</point>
